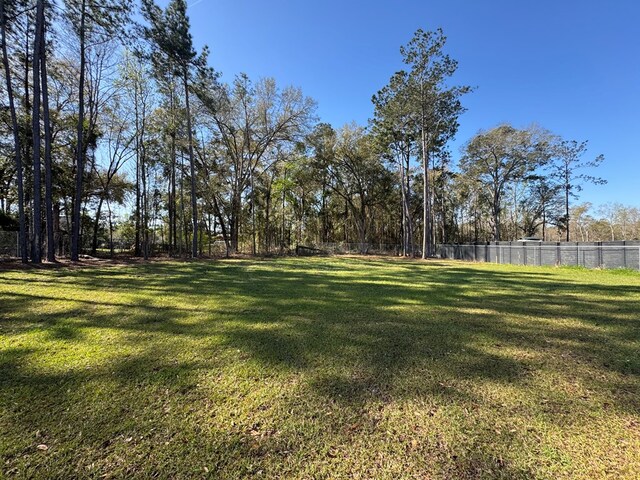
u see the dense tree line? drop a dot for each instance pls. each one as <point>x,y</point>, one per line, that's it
<point>119,134</point>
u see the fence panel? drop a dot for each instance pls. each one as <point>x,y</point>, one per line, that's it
<point>586,254</point>
<point>549,255</point>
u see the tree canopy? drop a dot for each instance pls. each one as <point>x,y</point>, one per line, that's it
<point>124,136</point>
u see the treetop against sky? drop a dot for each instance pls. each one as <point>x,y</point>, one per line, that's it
<point>570,66</point>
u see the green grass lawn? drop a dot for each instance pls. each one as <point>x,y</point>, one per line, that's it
<point>319,368</point>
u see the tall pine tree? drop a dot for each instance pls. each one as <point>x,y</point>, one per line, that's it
<point>93,21</point>
<point>168,31</point>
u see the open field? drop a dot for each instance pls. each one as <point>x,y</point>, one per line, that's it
<point>319,368</point>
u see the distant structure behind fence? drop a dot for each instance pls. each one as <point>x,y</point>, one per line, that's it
<point>584,254</point>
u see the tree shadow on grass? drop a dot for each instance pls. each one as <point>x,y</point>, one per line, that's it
<point>387,336</point>
<point>325,314</point>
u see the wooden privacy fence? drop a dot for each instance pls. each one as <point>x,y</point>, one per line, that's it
<point>622,254</point>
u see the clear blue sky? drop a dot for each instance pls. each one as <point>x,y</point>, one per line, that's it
<point>571,66</point>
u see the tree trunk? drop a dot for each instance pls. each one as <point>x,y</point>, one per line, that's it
<point>48,138</point>
<point>235,220</point>
<point>110,229</point>
<point>35,122</point>
<point>412,248</point>
<point>567,188</point>
<point>27,146</point>
<point>56,228</point>
<point>183,222</point>
<point>96,225</point>
<point>192,170</point>
<point>346,219</point>
<point>218,213</point>
<point>300,220</point>
<point>325,222</point>
<point>403,219</point>
<point>170,215</point>
<point>75,223</point>
<point>426,214</point>
<point>211,227</point>
<point>475,220</point>
<point>362,227</point>
<point>407,238</point>
<point>145,202</point>
<point>495,213</point>
<point>173,232</point>
<point>253,216</point>
<point>16,136</point>
<point>282,240</point>
<point>141,247</point>
<point>136,248</point>
<point>267,220</point>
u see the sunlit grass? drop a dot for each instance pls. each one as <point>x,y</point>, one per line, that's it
<point>319,368</point>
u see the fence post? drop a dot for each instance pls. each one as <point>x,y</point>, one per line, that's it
<point>600,256</point>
